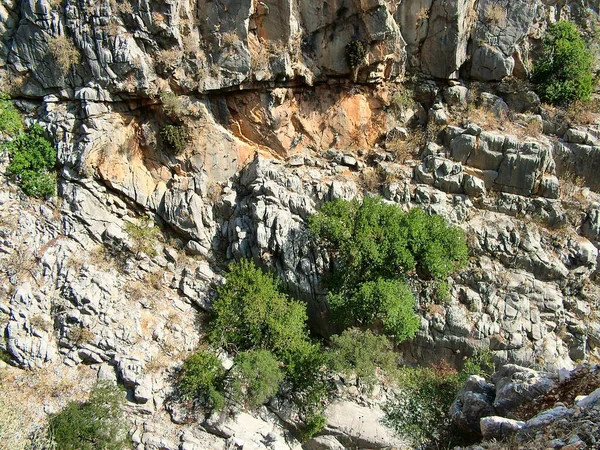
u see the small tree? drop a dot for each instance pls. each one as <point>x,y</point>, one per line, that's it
<point>32,160</point>
<point>361,352</point>
<point>355,53</point>
<point>202,378</point>
<point>256,377</point>
<point>374,247</point>
<point>251,313</point>
<point>93,425</point>
<point>176,137</point>
<point>563,73</point>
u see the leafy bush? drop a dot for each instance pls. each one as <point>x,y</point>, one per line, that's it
<point>374,245</point>
<point>251,313</point>
<point>419,412</point>
<point>10,119</point>
<point>355,53</point>
<point>32,158</point>
<point>361,352</point>
<point>313,425</point>
<point>202,378</point>
<point>257,376</point>
<point>176,137</point>
<point>95,424</point>
<point>563,73</point>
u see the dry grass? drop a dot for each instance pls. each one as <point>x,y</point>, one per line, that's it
<point>422,16</point>
<point>20,263</point>
<point>155,280</point>
<point>40,322</point>
<point>229,39</point>
<point>496,15</point>
<point>190,43</point>
<point>81,336</point>
<point>170,58</point>
<point>158,18</point>
<point>409,147</point>
<point>571,186</point>
<point>172,105</point>
<point>63,51</point>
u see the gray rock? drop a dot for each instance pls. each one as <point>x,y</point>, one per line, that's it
<point>549,416</point>
<point>456,95</point>
<point>323,443</point>
<point>495,427</point>
<point>361,425</point>
<point>516,385</point>
<point>473,402</point>
<point>473,186</point>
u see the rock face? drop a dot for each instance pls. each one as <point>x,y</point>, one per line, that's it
<point>515,391</point>
<point>278,124</point>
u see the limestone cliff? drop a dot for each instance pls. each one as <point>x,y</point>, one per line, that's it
<point>438,114</point>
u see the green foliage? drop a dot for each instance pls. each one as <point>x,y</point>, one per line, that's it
<point>388,302</point>
<point>313,425</point>
<point>401,100</point>
<point>419,412</point>
<point>10,119</point>
<point>172,105</point>
<point>144,236</point>
<point>202,377</point>
<point>374,245</point>
<point>32,159</point>
<point>176,137</point>
<point>95,424</point>
<point>252,313</point>
<point>361,352</point>
<point>355,53</point>
<point>257,376</point>
<point>563,73</point>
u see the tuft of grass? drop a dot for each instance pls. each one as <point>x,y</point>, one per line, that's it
<point>64,52</point>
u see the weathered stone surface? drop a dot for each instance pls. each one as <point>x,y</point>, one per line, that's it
<point>360,425</point>
<point>495,427</point>
<point>473,402</point>
<point>516,385</point>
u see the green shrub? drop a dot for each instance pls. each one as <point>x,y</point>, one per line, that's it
<point>419,413</point>
<point>144,236</point>
<point>32,159</point>
<point>176,137</point>
<point>373,246</point>
<point>172,105</point>
<point>388,302</point>
<point>256,377</point>
<point>95,424</point>
<point>202,378</point>
<point>563,73</point>
<point>313,425</point>
<point>355,53</point>
<point>251,313</point>
<point>361,352</point>
<point>10,119</point>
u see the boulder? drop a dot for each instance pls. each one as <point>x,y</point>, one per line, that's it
<point>360,425</point>
<point>472,403</point>
<point>495,427</point>
<point>516,385</point>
